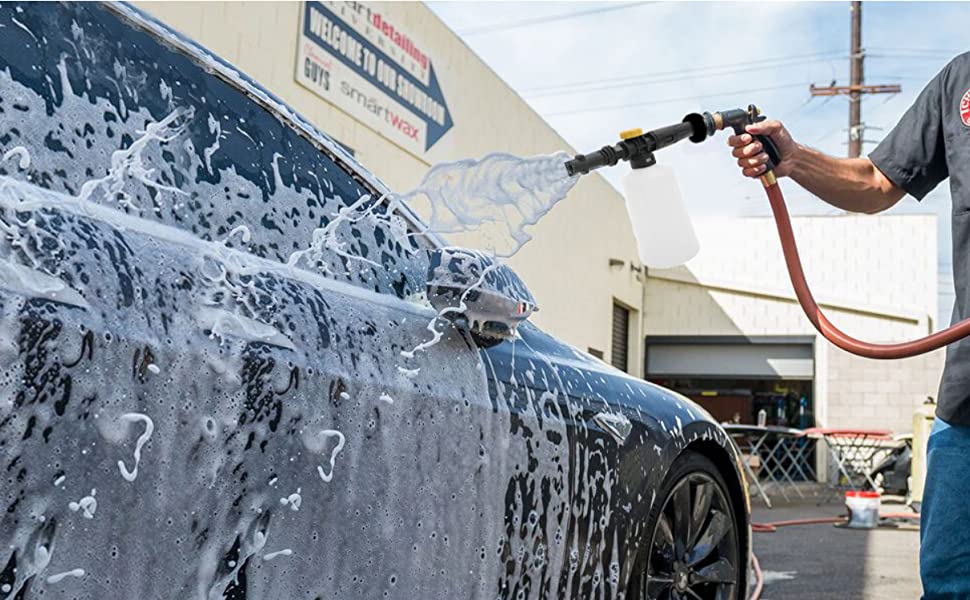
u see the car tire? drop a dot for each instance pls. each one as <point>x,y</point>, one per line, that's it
<point>691,553</point>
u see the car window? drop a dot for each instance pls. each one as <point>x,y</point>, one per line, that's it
<point>110,113</point>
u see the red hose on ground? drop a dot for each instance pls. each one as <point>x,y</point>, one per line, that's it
<point>774,525</point>
<point>814,313</point>
<point>770,527</point>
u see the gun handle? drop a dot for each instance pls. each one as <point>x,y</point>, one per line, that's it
<point>774,157</point>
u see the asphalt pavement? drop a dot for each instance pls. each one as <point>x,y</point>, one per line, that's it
<point>825,562</point>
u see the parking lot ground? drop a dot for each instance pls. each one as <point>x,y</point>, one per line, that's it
<point>824,562</point>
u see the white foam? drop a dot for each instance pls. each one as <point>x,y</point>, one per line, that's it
<point>293,500</point>
<point>22,153</point>
<point>37,284</point>
<point>328,433</point>
<point>243,231</point>
<point>128,162</point>
<point>42,557</point>
<point>224,323</point>
<point>60,576</point>
<point>216,128</point>
<point>142,439</point>
<point>88,505</point>
<point>409,373</point>
<point>615,424</point>
<point>283,552</point>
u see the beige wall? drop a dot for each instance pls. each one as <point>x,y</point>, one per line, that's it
<point>566,265</point>
<point>874,275</point>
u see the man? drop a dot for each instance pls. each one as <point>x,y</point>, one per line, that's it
<point>929,144</point>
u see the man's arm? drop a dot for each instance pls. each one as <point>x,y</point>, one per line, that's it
<point>852,184</point>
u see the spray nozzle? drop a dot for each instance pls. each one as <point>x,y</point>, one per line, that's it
<point>638,147</point>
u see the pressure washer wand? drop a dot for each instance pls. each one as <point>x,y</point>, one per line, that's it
<point>638,147</point>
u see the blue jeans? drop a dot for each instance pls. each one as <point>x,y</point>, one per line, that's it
<point>945,514</point>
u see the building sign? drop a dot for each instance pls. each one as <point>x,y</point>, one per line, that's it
<point>351,55</point>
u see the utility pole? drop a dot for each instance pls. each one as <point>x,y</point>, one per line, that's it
<point>856,78</point>
<point>857,86</point>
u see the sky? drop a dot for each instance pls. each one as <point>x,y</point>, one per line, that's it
<point>594,69</point>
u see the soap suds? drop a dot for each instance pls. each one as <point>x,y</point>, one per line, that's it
<point>283,552</point>
<point>88,505</point>
<point>327,477</point>
<point>22,153</point>
<point>60,576</point>
<point>142,440</point>
<point>293,500</point>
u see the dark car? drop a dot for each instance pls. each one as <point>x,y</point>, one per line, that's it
<point>202,397</point>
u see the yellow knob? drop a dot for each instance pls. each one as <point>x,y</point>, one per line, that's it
<point>631,133</point>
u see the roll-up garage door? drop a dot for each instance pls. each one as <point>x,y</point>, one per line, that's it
<point>740,358</point>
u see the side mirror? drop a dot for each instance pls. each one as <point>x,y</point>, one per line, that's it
<point>477,293</point>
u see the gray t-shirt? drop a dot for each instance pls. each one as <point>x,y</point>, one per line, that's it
<point>930,143</point>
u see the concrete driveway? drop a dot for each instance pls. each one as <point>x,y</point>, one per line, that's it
<point>822,562</point>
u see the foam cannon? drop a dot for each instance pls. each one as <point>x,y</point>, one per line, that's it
<point>665,235</point>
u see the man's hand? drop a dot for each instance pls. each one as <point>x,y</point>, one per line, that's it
<point>852,184</point>
<point>752,157</point>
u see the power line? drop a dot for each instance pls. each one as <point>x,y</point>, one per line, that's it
<point>831,55</point>
<point>550,19</point>
<point>938,51</point>
<point>581,88</point>
<point>668,100</point>
<point>925,57</point>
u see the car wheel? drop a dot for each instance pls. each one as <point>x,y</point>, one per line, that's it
<point>694,550</point>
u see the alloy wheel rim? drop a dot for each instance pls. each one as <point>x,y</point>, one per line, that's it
<point>693,548</point>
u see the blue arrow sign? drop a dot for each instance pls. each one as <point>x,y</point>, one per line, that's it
<point>352,50</point>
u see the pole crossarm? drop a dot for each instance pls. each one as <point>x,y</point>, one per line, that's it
<point>836,90</point>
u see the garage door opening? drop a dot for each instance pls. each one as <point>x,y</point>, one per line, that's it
<point>785,403</point>
<point>734,377</point>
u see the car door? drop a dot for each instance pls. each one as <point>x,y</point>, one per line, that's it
<point>609,440</point>
<point>200,398</point>
<point>554,546</point>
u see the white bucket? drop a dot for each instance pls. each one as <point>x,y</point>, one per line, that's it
<point>863,509</point>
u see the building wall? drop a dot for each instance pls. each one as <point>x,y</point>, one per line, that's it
<point>566,265</point>
<point>874,275</point>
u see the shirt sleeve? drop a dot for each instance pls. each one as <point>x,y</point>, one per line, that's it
<point>913,155</point>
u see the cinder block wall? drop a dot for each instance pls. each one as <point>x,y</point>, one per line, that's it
<point>874,275</point>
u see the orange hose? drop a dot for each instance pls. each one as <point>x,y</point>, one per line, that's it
<point>814,313</point>
<point>773,526</point>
